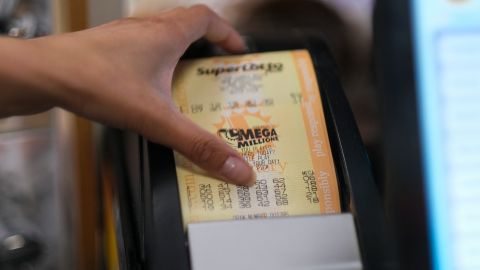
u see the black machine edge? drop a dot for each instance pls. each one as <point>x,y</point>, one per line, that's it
<point>395,74</point>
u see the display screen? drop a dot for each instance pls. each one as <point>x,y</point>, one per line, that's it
<point>447,53</point>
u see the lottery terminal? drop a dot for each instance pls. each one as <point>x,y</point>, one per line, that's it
<point>315,204</point>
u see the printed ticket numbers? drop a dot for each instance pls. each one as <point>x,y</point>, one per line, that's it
<point>267,107</point>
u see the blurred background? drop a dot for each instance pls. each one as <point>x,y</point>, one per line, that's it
<point>51,211</point>
<point>413,88</point>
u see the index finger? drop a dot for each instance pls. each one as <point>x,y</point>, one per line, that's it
<point>200,21</point>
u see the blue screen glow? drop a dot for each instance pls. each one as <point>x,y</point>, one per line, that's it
<point>447,53</point>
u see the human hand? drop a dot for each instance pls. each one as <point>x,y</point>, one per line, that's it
<point>121,73</point>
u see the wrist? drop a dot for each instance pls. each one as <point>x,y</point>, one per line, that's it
<point>17,84</point>
<point>38,74</point>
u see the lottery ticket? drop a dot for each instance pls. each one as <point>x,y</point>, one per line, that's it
<point>267,107</point>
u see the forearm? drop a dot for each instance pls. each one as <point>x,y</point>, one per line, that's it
<point>27,82</point>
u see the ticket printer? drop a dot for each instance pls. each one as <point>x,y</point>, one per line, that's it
<point>150,233</point>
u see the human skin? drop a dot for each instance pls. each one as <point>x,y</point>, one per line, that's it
<point>120,74</point>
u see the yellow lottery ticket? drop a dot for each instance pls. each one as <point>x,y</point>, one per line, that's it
<point>266,106</point>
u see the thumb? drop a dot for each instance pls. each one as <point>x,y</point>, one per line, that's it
<point>206,150</point>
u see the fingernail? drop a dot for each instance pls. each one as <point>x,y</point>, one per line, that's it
<point>237,171</point>
<point>247,44</point>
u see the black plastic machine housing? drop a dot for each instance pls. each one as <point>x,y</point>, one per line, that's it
<point>149,225</point>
